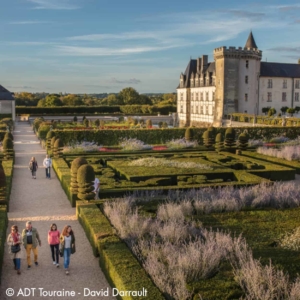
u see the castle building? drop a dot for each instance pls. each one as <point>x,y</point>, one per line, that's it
<point>237,81</point>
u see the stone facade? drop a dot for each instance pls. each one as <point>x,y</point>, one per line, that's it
<point>237,81</point>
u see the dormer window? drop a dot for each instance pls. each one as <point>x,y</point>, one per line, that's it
<point>247,64</point>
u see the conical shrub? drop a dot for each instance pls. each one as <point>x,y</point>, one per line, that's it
<point>243,141</point>
<point>208,138</point>
<point>58,148</point>
<point>85,178</point>
<point>219,145</point>
<point>8,148</point>
<point>189,134</point>
<point>8,135</point>
<point>229,138</point>
<point>49,137</point>
<point>52,143</point>
<point>2,184</point>
<point>75,165</point>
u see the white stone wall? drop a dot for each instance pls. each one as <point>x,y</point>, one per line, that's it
<point>276,91</point>
<point>6,106</point>
<point>182,97</point>
<point>202,110</point>
<point>248,92</point>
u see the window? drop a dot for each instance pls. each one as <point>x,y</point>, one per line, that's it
<point>192,109</point>
<point>197,109</point>
<point>201,96</point>
<point>181,109</point>
<point>297,84</point>
<point>270,84</point>
<point>269,97</point>
<point>283,96</point>
<point>201,109</point>
<point>197,97</point>
<point>296,97</point>
<point>206,97</point>
<point>207,109</point>
<point>192,98</point>
<point>246,97</point>
<point>247,64</point>
<point>284,84</point>
<point>181,97</point>
<point>246,79</point>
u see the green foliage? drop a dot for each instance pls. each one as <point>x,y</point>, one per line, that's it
<point>52,142</point>
<point>97,123</point>
<point>9,135</point>
<point>86,123</point>
<point>149,123</point>
<point>229,138</point>
<point>291,111</point>
<point>3,226</point>
<point>219,145</point>
<point>284,109</point>
<point>49,136</point>
<point>75,119</point>
<point>85,178</point>
<point>189,134</point>
<point>8,148</point>
<point>265,109</point>
<point>57,148</point>
<point>243,141</point>
<point>208,138</point>
<point>271,112</point>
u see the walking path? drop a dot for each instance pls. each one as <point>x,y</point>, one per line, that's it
<point>43,201</point>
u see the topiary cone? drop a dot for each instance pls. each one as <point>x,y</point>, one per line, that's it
<point>85,178</point>
<point>75,165</point>
<point>189,134</point>
<point>58,147</point>
<point>219,142</point>
<point>8,135</point>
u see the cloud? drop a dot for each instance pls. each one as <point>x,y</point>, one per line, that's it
<point>247,14</point>
<point>129,81</point>
<point>53,4</point>
<point>286,8</point>
<point>285,49</point>
<point>24,87</point>
<point>28,22</point>
<point>96,51</point>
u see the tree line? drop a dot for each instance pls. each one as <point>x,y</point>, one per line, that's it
<point>127,96</point>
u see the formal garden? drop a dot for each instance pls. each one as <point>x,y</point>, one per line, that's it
<point>197,213</point>
<point>6,173</point>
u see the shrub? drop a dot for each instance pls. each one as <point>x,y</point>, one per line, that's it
<point>85,178</point>
<point>75,119</point>
<point>85,122</point>
<point>9,135</point>
<point>58,148</point>
<point>102,123</point>
<point>75,165</point>
<point>189,134</point>
<point>271,112</point>
<point>2,184</point>
<point>8,148</point>
<point>53,139</point>
<point>208,138</point>
<point>149,123</point>
<point>97,123</point>
<point>219,146</point>
<point>229,138</point>
<point>49,137</point>
<point>243,141</point>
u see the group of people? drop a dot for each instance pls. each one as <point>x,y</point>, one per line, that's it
<point>47,163</point>
<point>61,244</point>
<point>33,166</point>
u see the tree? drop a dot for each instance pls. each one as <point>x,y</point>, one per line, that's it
<point>50,100</point>
<point>284,109</point>
<point>144,100</point>
<point>265,109</point>
<point>112,99</point>
<point>25,98</point>
<point>271,112</point>
<point>72,100</point>
<point>129,96</point>
<point>297,109</point>
<point>291,111</point>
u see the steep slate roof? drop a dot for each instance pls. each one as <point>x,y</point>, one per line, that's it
<point>251,42</point>
<point>211,67</point>
<point>269,69</point>
<point>191,67</point>
<point>5,94</point>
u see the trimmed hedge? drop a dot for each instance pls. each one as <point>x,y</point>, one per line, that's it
<point>117,262</point>
<point>104,109</point>
<point>3,226</point>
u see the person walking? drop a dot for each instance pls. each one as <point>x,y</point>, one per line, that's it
<point>33,166</point>
<point>96,188</point>
<point>67,244</point>
<point>47,163</point>
<point>53,240</point>
<point>14,241</point>
<point>31,239</point>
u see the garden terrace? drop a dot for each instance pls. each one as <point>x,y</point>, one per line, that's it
<point>118,176</point>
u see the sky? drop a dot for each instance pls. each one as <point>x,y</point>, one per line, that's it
<point>103,46</point>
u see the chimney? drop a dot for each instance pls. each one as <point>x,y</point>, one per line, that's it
<point>204,62</point>
<point>198,65</point>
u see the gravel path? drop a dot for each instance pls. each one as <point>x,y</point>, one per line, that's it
<point>43,201</point>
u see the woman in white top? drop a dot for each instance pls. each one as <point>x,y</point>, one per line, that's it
<point>15,239</point>
<point>67,245</point>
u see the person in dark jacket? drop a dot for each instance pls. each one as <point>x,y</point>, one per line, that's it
<point>33,166</point>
